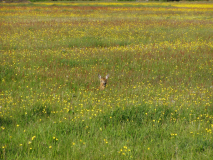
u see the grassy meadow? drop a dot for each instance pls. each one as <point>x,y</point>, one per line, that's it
<point>158,103</point>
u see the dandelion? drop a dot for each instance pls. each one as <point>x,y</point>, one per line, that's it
<point>105,141</point>
<point>50,147</point>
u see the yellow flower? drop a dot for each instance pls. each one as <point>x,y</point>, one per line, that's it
<point>50,147</point>
<point>33,138</point>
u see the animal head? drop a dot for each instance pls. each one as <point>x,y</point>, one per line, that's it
<point>103,81</point>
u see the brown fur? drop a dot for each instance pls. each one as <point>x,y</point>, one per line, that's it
<point>103,82</point>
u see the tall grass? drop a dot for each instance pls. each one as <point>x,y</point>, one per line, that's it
<point>158,100</point>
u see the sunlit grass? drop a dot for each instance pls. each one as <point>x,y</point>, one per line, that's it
<point>158,100</point>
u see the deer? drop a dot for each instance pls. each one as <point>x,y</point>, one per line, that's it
<point>103,81</point>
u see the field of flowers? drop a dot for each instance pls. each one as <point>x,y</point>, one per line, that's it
<point>158,103</point>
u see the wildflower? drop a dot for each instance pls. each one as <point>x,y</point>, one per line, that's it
<point>33,138</point>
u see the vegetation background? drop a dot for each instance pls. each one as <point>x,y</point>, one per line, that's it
<point>9,1</point>
<point>158,103</point>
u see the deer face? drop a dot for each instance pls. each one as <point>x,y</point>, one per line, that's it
<point>103,82</point>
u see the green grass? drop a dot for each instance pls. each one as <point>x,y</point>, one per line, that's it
<point>159,96</point>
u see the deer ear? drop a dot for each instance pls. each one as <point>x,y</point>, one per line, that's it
<point>99,76</point>
<point>107,76</point>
